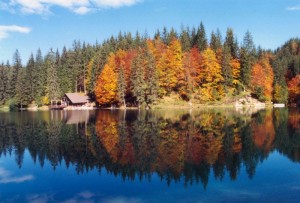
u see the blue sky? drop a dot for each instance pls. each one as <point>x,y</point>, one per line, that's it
<point>27,25</point>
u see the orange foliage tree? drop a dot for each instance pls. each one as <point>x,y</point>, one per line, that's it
<point>294,89</point>
<point>262,78</point>
<point>191,64</point>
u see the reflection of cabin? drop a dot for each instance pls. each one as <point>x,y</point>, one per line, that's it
<point>75,99</point>
<point>76,117</point>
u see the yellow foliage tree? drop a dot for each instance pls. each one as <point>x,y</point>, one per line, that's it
<point>210,75</point>
<point>236,71</point>
<point>170,68</point>
<point>106,86</point>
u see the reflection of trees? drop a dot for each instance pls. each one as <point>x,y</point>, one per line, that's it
<point>287,125</point>
<point>136,144</point>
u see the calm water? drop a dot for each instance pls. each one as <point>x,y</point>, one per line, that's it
<point>153,156</point>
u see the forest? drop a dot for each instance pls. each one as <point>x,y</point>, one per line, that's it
<point>138,70</point>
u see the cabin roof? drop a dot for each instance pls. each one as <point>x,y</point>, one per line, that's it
<point>76,98</point>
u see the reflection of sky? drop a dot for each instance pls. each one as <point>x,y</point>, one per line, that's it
<point>7,177</point>
<point>276,179</point>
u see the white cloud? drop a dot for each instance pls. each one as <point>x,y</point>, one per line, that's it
<point>82,10</point>
<point>6,29</point>
<point>6,177</point>
<point>293,8</point>
<point>80,7</point>
<point>115,3</point>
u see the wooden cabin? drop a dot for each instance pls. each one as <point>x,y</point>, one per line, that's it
<point>57,104</point>
<point>75,99</point>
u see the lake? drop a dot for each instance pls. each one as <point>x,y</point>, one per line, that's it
<point>212,155</point>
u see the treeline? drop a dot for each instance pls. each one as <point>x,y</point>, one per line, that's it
<point>139,70</point>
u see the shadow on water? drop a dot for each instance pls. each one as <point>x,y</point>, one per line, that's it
<point>175,145</point>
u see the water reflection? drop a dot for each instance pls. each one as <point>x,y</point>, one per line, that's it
<point>176,145</point>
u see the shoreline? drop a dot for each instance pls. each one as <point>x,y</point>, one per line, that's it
<point>157,107</point>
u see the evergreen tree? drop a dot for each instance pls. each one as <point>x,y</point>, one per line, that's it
<point>201,38</point>
<point>122,86</point>
<point>53,89</point>
<point>281,93</point>
<point>40,76</point>
<point>31,78</point>
<point>157,35</point>
<point>247,58</point>
<point>23,96</point>
<point>17,65</point>
<point>138,79</point>
<point>3,83</point>
<point>216,41</point>
<point>172,35</point>
<point>226,67</point>
<point>185,39</point>
<point>231,43</point>
<point>151,80</point>
<point>165,36</point>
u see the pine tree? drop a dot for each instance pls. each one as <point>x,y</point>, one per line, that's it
<point>121,86</point>
<point>151,80</point>
<point>53,90</point>
<point>226,66</point>
<point>22,96</point>
<point>281,93</point>
<point>185,39</point>
<point>201,38</point>
<point>40,75</point>
<point>17,65</point>
<point>231,43</point>
<point>31,78</point>
<point>248,59</point>
<point>216,41</point>
<point>138,78</point>
<point>3,83</point>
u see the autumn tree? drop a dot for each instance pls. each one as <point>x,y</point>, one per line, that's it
<point>192,65</point>
<point>106,86</point>
<point>210,76</point>
<point>294,89</point>
<point>262,77</point>
<point>236,74</point>
<point>170,68</point>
